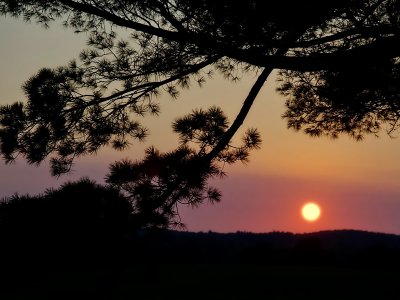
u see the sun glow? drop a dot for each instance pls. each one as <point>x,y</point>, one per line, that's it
<point>311,212</point>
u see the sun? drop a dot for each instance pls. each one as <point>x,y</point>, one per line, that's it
<point>310,212</point>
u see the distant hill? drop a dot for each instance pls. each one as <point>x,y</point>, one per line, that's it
<point>329,265</point>
<point>336,247</point>
<point>80,240</point>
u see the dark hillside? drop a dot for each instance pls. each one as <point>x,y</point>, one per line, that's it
<point>337,247</point>
<point>184,265</point>
<point>67,244</point>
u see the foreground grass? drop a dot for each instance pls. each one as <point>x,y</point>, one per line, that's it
<point>209,281</point>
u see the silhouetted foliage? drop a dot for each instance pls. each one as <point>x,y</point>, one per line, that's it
<point>76,216</point>
<point>157,185</point>
<point>64,236</point>
<point>338,61</point>
<point>355,101</point>
<point>142,194</point>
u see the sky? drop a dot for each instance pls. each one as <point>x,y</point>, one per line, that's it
<point>356,184</point>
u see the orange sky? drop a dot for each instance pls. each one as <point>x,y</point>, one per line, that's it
<point>356,183</point>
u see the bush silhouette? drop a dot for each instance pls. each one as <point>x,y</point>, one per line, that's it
<point>79,221</point>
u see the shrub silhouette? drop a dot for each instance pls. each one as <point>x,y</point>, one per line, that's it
<point>79,221</point>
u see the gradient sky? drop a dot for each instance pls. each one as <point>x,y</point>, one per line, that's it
<point>356,183</point>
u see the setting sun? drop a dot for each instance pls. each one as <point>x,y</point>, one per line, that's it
<point>310,212</point>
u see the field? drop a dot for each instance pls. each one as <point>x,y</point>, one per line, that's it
<point>211,281</point>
